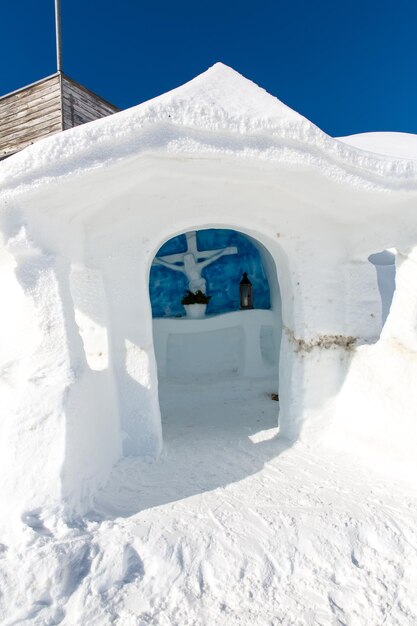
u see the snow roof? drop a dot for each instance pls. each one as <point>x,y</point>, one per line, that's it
<point>218,113</point>
<point>221,97</point>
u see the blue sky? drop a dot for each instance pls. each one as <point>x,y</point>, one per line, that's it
<point>348,66</point>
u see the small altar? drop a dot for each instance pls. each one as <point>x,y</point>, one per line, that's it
<point>239,343</point>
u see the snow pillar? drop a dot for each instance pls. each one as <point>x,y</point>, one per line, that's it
<point>132,355</point>
<point>317,342</point>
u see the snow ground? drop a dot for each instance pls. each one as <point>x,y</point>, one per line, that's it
<point>230,527</point>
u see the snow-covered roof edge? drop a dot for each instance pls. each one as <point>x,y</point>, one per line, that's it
<point>219,112</point>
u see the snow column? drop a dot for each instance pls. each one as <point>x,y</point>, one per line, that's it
<point>320,333</point>
<point>131,353</point>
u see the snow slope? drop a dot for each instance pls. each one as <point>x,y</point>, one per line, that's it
<point>229,528</point>
<point>397,145</point>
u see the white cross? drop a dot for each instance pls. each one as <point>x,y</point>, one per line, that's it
<point>193,261</point>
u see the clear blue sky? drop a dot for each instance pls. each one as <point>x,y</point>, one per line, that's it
<point>349,66</point>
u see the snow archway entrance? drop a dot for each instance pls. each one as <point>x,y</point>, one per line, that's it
<point>229,354</point>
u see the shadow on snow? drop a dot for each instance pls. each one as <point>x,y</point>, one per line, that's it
<point>214,435</point>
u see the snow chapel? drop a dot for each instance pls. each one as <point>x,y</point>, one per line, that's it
<point>210,234</point>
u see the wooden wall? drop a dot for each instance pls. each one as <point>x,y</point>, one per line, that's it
<point>44,108</point>
<point>29,114</point>
<point>80,105</point>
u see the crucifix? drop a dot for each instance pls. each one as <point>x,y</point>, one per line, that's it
<point>193,261</point>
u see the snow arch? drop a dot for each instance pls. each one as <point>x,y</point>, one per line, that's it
<point>227,341</point>
<point>236,344</point>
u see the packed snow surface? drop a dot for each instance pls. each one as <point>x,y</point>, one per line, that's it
<point>231,527</point>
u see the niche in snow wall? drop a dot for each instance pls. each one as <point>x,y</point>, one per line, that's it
<point>384,263</point>
<point>223,276</point>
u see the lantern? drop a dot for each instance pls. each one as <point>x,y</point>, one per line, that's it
<point>245,287</point>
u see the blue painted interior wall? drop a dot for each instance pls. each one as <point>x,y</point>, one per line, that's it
<point>223,276</point>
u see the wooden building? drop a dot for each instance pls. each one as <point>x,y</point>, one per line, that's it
<point>46,107</point>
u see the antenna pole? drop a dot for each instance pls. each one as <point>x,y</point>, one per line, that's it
<point>58,35</point>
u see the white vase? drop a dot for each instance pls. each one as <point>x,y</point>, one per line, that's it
<point>195,311</point>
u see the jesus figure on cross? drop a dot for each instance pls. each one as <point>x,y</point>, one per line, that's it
<point>193,261</point>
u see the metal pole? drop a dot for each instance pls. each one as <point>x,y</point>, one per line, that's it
<point>58,35</point>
